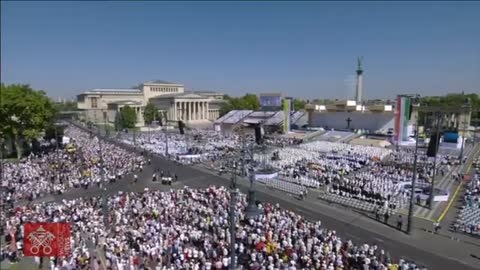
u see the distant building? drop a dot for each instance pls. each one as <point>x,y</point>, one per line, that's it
<point>347,114</point>
<point>169,98</point>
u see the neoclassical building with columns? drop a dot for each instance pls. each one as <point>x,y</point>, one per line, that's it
<point>189,106</point>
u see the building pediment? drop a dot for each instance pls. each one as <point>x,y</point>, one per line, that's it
<point>180,96</point>
<point>190,96</point>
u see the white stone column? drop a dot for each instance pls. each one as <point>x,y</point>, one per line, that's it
<point>205,111</point>
<point>195,110</point>
<point>186,110</point>
<point>179,111</point>
<point>183,110</point>
<point>174,117</point>
<point>190,111</point>
<point>200,110</point>
<point>208,112</point>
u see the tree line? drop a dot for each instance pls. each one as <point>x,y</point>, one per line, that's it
<point>251,102</point>
<point>455,100</point>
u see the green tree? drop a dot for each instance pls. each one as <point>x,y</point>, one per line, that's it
<point>53,131</point>
<point>118,122</point>
<point>24,113</point>
<point>128,117</point>
<point>251,102</point>
<point>452,100</point>
<point>225,108</point>
<point>247,102</point>
<point>151,114</point>
<point>299,104</point>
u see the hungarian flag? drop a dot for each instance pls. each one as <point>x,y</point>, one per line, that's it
<point>46,239</point>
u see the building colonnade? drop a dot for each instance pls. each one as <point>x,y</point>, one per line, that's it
<point>189,110</point>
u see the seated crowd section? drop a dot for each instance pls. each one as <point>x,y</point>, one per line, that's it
<point>188,229</point>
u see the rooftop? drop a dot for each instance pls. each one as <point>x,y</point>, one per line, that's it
<point>159,82</point>
<point>126,102</point>
<point>189,95</point>
<point>115,90</point>
<point>203,92</point>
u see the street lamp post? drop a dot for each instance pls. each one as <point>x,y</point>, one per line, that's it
<point>467,106</point>
<point>166,136</point>
<point>414,180</point>
<point>56,151</point>
<point>251,210</point>
<point>2,147</point>
<point>102,178</point>
<point>233,201</point>
<point>437,140</point>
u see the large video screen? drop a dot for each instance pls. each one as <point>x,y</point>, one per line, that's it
<point>271,101</point>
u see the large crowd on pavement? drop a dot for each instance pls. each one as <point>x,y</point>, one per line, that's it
<point>197,146</point>
<point>468,220</point>
<point>189,229</point>
<point>60,170</point>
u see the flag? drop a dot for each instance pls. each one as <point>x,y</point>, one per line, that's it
<point>46,239</point>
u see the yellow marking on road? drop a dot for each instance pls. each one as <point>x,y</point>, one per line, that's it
<point>450,203</point>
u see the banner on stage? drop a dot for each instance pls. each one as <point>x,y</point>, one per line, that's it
<point>46,239</point>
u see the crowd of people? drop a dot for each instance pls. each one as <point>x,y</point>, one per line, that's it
<point>189,229</point>
<point>281,141</point>
<point>197,146</point>
<point>87,162</point>
<point>357,151</point>
<point>370,174</point>
<point>305,165</point>
<point>379,185</point>
<point>469,218</point>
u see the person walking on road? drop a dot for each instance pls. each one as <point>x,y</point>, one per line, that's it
<point>399,222</point>
<point>385,217</point>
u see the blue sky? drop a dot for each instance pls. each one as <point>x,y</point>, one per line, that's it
<point>303,49</point>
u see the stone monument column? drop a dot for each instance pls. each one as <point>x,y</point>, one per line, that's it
<point>359,92</point>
